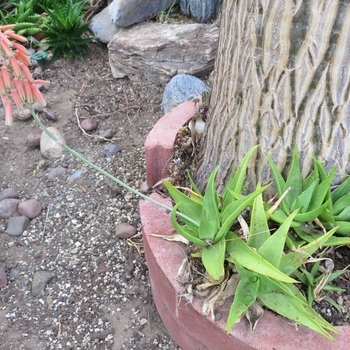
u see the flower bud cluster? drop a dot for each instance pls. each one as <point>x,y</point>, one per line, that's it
<point>16,81</point>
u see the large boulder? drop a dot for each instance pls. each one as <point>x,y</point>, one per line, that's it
<point>127,12</point>
<point>201,10</point>
<point>156,52</point>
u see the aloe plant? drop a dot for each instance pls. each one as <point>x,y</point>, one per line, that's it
<point>64,30</point>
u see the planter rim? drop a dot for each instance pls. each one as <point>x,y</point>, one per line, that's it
<point>183,320</point>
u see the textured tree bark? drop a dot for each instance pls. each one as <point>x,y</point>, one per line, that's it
<point>282,78</point>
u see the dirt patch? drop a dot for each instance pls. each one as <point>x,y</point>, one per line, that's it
<point>100,296</point>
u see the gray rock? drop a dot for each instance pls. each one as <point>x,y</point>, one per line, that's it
<point>49,114</point>
<point>127,12</point>
<point>50,148</point>
<point>155,52</point>
<point>107,134</point>
<point>180,89</point>
<point>75,176</point>
<point>3,277</point>
<point>111,149</point>
<point>8,207</point>
<point>30,208</point>
<point>8,193</point>
<point>89,124</point>
<point>56,172</point>
<point>103,27</point>
<point>201,10</point>
<point>125,230</point>
<point>33,138</point>
<point>40,280</point>
<point>16,225</point>
<point>14,272</point>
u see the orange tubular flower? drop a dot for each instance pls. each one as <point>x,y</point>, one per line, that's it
<point>37,94</point>
<point>21,48</point>
<point>16,98</point>
<point>3,89</point>
<point>19,87</point>
<point>7,27</point>
<point>6,76</point>
<point>21,57</point>
<point>8,112</point>
<point>6,47</point>
<point>15,67</point>
<point>25,70</point>
<point>13,35</point>
<point>28,91</point>
<point>41,82</point>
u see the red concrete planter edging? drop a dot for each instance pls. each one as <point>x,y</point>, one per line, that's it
<point>184,321</point>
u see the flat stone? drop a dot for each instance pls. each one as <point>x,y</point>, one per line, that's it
<point>30,208</point>
<point>50,148</point>
<point>16,225</point>
<point>155,52</point>
<point>180,89</point>
<point>8,193</point>
<point>8,207</point>
<point>125,230</point>
<point>127,12</point>
<point>40,280</point>
<point>24,114</point>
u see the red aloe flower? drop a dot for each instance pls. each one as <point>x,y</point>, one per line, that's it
<point>37,94</point>
<point>8,112</point>
<point>6,76</point>
<point>28,91</point>
<point>3,89</point>
<point>15,67</point>
<point>13,35</point>
<point>19,88</point>
<point>25,70</point>
<point>21,57</point>
<point>17,99</point>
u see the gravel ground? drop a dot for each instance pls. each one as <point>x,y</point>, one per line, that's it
<point>99,296</point>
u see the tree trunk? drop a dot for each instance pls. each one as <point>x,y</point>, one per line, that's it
<point>281,79</point>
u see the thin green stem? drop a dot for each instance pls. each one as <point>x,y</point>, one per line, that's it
<point>105,173</point>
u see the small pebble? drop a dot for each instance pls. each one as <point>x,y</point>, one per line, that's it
<point>16,225</point>
<point>75,176</point>
<point>40,280</point>
<point>125,230</point>
<point>111,149</point>
<point>8,193</point>
<point>143,321</point>
<point>33,138</point>
<point>14,272</point>
<point>89,124</point>
<point>107,134</point>
<point>8,207</point>
<point>30,208</point>
<point>49,114</point>
<point>56,172</point>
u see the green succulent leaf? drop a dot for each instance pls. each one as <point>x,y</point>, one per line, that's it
<point>259,229</point>
<point>273,248</point>
<point>213,258</point>
<point>341,190</point>
<point>209,221</point>
<point>245,295</point>
<point>239,252</point>
<point>294,180</point>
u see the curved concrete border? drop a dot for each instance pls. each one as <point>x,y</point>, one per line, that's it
<point>184,321</point>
